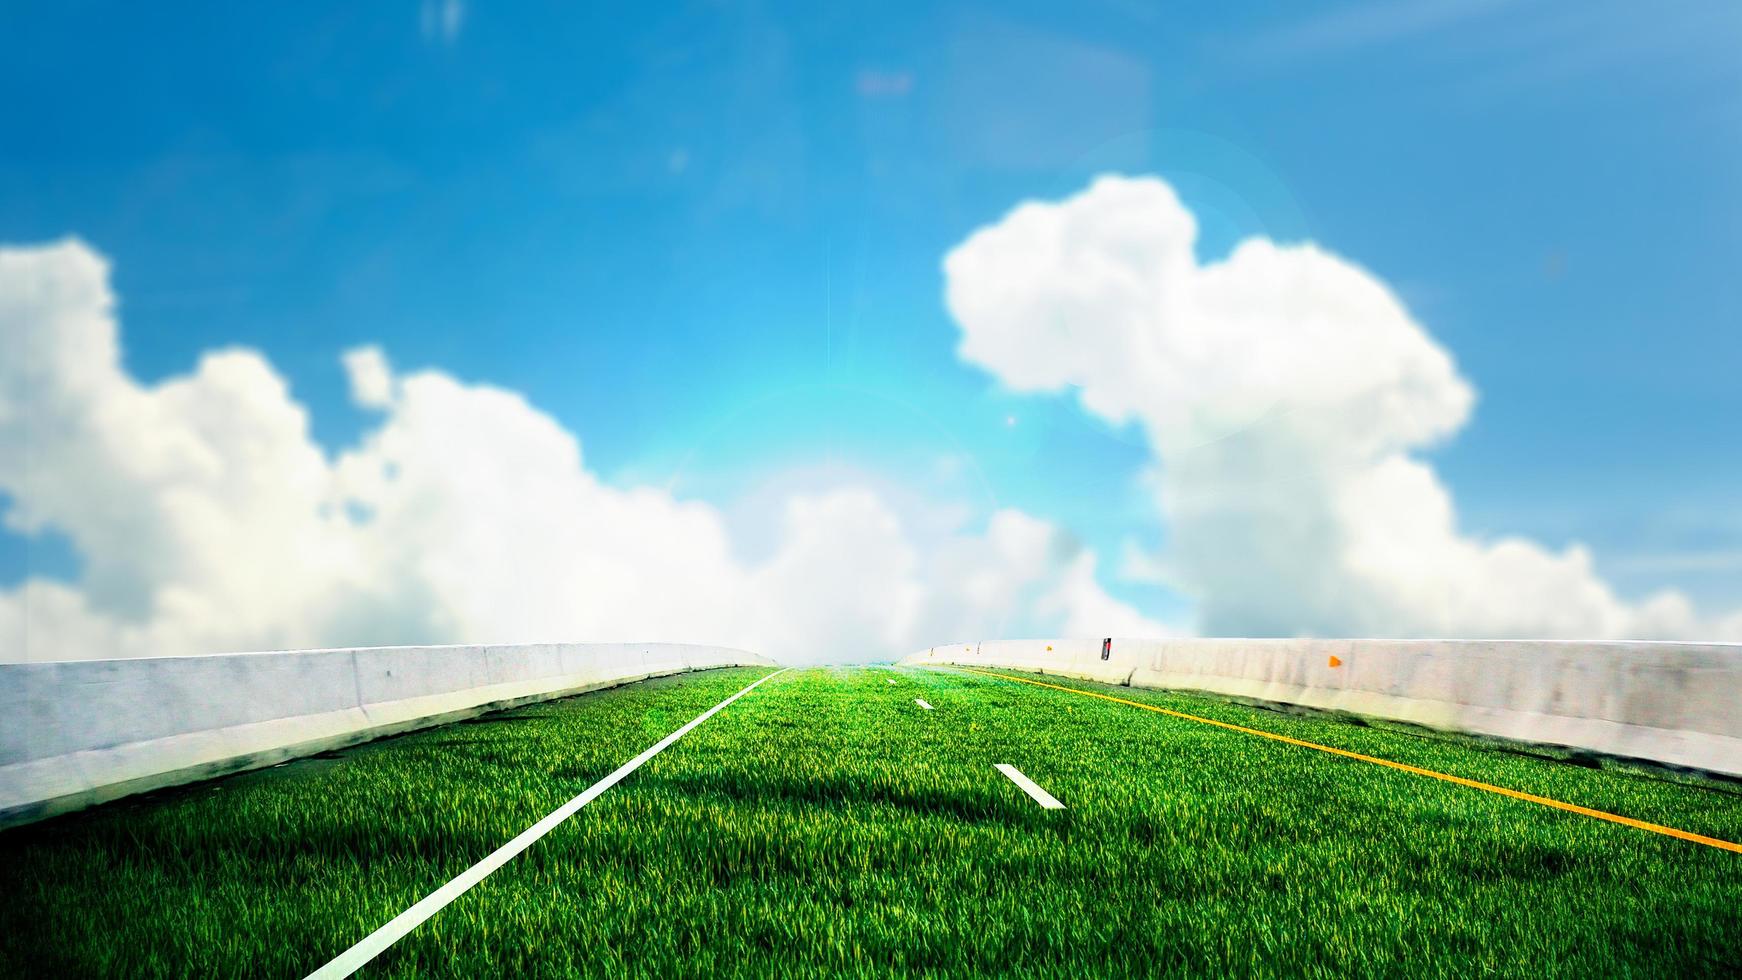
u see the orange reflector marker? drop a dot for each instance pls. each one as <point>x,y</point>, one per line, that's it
<point>1336,661</point>
<point>1687,835</point>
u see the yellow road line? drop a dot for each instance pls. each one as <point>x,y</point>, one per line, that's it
<point>1461,781</point>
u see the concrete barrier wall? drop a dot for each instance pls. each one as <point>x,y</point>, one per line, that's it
<point>1675,703</point>
<point>74,733</point>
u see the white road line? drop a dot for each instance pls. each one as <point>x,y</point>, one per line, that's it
<point>921,703</point>
<point>372,945</point>
<point>1041,796</point>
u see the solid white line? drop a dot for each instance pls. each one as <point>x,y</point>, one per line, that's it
<point>351,960</point>
<point>1041,796</point>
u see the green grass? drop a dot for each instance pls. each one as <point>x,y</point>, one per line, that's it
<point>826,824</point>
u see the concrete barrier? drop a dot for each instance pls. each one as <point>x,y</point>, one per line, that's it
<point>75,733</point>
<point>1674,703</point>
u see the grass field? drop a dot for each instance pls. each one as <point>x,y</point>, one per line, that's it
<point>827,823</point>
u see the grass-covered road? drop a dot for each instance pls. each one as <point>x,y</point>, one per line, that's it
<point>827,823</point>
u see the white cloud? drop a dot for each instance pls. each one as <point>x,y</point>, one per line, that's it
<point>442,20</point>
<point>1284,392</point>
<point>371,378</point>
<point>208,520</point>
<point>873,84</point>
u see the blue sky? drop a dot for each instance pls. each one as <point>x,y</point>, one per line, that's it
<point>707,239</point>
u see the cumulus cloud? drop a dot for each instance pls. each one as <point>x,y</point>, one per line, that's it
<point>371,378</point>
<point>208,520</point>
<point>1285,393</point>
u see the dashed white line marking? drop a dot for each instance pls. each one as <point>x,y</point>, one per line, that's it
<point>372,945</point>
<point>891,680</point>
<point>921,703</point>
<point>1041,796</point>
